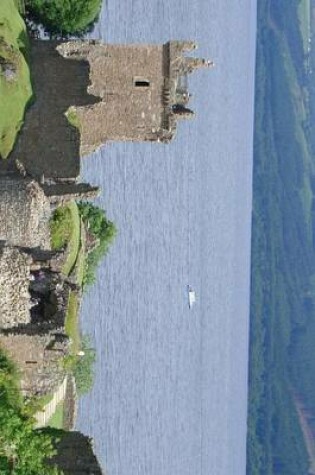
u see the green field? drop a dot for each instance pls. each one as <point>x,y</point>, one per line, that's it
<point>72,323</point>
<point>16,92</point>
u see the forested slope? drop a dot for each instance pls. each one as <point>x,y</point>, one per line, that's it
<point>282,339</point>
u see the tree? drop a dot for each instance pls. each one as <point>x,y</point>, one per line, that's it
<point>64,17</point>
<point>23,450</point>
<point>103,230</point>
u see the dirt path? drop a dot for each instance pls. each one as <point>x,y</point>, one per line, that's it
<point>42,417</point>
<point>307,433</point>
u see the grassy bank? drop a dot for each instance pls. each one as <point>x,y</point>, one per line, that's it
<point>15,84</point>
<point>65,227</point>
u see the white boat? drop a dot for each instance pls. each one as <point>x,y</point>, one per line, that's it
<point>191,297</point>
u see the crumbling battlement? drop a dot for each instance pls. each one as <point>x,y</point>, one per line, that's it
<point>34,295</point>
<point>143,90</point>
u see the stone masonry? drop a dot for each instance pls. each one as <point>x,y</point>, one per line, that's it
<point>24,212</point>
<point>142,89</point>
<point>14,287</point>
<point>38,360</point>
<point>33,293</point>
<point>26,206</point>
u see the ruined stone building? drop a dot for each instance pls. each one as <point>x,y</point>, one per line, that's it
<point>133,92</point>
<point>108,92</point>
<point>14,286</point>
<point>32,315</point>
<point>143,90</point>
<point>38,359</point>
<point>33,293</point>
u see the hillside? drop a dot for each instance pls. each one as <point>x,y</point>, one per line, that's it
<point>282,350</point>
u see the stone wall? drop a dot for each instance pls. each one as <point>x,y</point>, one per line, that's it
<point>14,287</point>
<point>118,92</point>
<point>24,212</point>
<point>127,112</point>
<point>61,193</point>
<point>138,85</point>
<point>38,360</point>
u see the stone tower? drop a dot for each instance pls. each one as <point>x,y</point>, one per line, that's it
<point>143,90</point>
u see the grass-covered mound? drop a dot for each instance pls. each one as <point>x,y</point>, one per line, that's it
<point>65,16</point>
<point>15,84</point>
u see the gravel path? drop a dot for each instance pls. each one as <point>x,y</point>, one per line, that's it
<point>42,417</point>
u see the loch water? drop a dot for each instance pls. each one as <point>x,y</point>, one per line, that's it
<point>170,394</point>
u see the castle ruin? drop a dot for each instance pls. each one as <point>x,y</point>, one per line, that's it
<point>143,90</point>
<point>112,93</point>
<point>33,292</point>
<point>33,305</point>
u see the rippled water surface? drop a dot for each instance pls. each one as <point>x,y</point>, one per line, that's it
<point>170,396</point>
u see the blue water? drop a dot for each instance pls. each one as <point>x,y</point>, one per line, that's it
<point>170,396</point>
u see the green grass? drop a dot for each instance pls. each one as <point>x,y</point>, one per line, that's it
<point>65,227</point>
<point>65,231</point>
<point>73,117</point>
<point>81,259</point>
<point>44,400</point>
<point>14,94</point>
<point>74,241</point>
<point>56,420</point>
<point>72,323</point>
